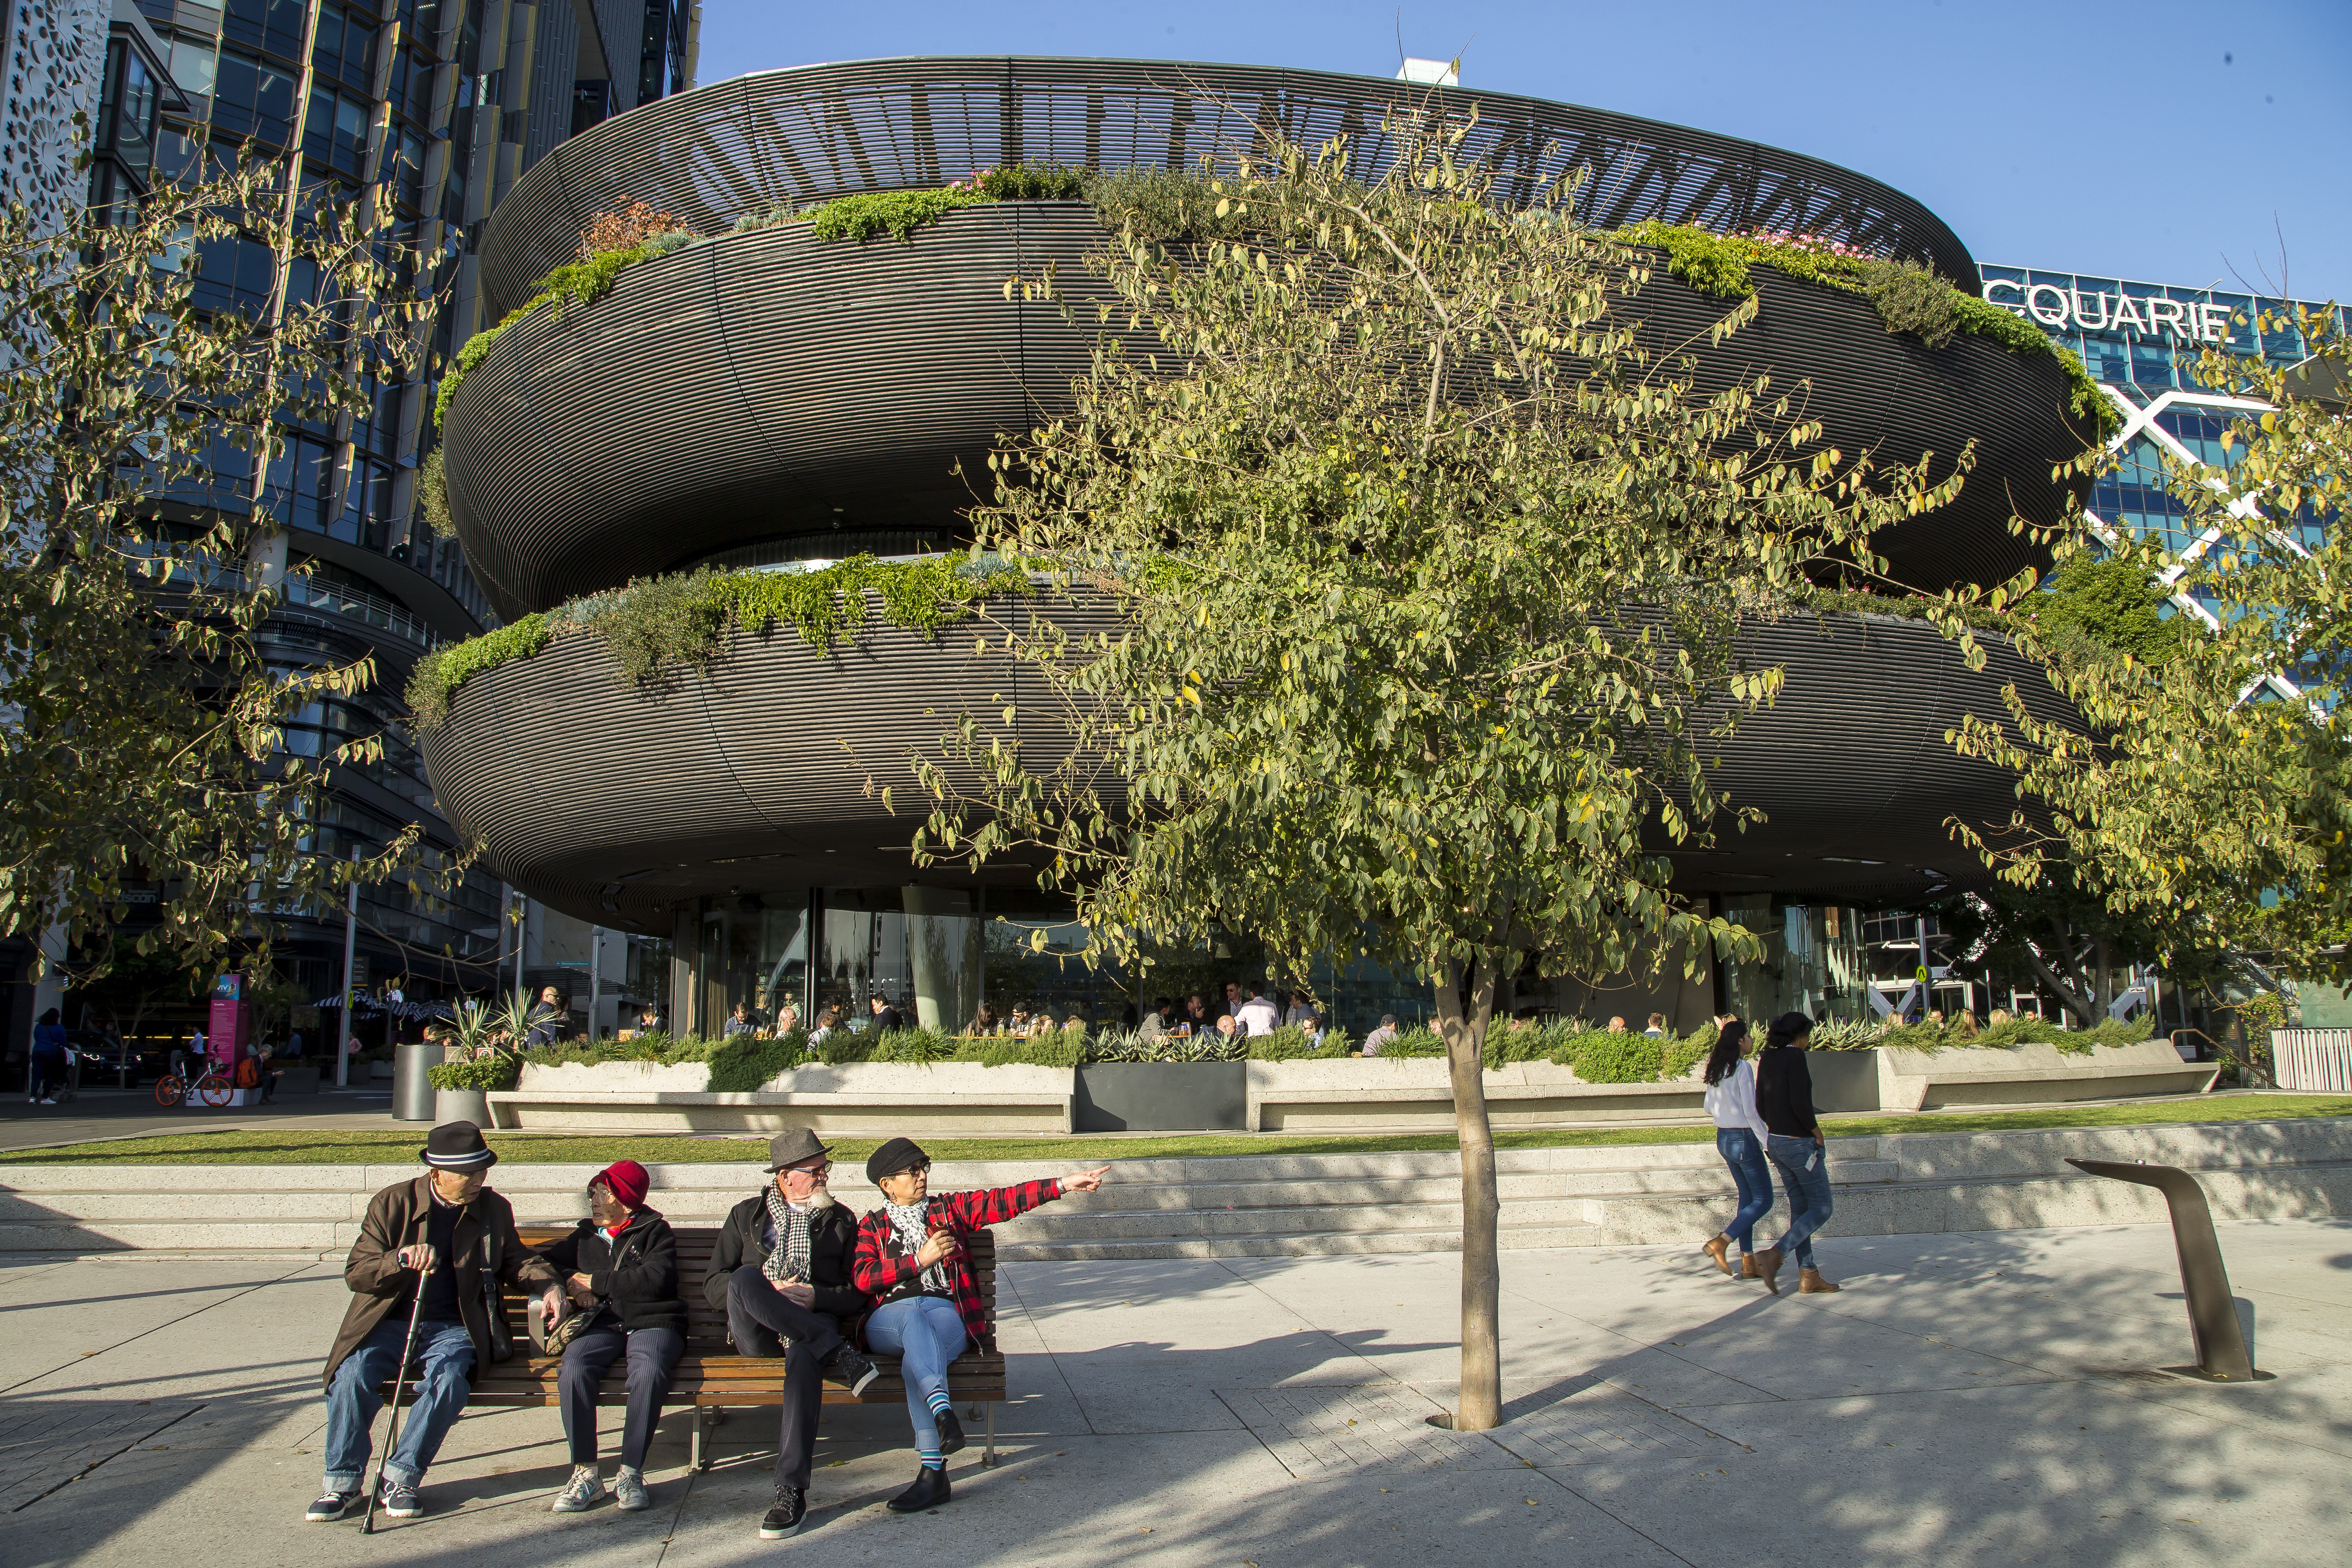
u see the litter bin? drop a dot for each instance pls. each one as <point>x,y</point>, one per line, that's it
<point>412,1091</point>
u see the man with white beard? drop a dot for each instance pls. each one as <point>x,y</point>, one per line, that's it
<point>781,1273</point>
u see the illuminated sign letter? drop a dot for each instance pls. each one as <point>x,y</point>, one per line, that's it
<point>2054,317</point>
<point>2128,314</point>
<point>2213,322</point>
<point>2083,317</point>
<point>2167,315</point>
<point>1993,283</point>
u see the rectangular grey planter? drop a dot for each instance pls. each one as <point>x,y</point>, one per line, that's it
<point>1161,1096</point>
<point>1844,1081</point>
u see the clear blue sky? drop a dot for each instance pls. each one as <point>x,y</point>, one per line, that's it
<point>2152,140</point>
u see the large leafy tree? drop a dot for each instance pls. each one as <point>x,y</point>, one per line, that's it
<point>2207,803</point>
<point>140,723</point>
<point>1429,586</point>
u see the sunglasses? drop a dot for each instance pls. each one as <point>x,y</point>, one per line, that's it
<point>819,1169</point>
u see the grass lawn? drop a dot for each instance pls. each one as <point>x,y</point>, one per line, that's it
<point>396,1148</point>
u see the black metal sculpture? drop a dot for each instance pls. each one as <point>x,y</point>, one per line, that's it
<point>2223,1353</point>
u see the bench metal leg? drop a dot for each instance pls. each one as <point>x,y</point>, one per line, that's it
<point>694,1458</point>
<point>988,1460</point>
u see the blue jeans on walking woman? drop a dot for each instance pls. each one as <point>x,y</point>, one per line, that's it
<point>1805,1172</point>
<point>924,1332</point>
<point>1745,1154</point>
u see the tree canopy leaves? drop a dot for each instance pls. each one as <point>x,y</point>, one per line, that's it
<point>139,723</point>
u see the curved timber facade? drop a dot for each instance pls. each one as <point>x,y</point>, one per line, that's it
<point>762,396</point>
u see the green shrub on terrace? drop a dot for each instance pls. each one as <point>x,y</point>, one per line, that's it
<point>895,213</point>
<point>496,1072</point>
<point>1910,298</point>
<point>440,673</point>
<point>1291,1044</point>
<point>574,283</point>
<point>656,628</point>
<point>1034,183</point>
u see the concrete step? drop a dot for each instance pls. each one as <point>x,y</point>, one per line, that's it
<point>1294,1244</point>
<point>1043,1226</point>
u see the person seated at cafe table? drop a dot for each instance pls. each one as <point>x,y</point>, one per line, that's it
<point>912,1259</point>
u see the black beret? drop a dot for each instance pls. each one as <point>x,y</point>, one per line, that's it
<point>898,1154</point>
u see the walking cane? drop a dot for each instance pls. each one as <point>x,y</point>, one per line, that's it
<point>399,1380</point>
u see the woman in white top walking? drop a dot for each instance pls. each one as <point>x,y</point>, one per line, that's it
<point>1740,1137</point>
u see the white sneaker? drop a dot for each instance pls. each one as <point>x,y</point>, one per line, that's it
<point>629,1489</point>
<point>581,1492</point>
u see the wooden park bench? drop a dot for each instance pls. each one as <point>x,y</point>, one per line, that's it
<point>710,1377</point>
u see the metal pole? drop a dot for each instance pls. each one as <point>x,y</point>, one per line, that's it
<point>1927,974</point>
<point>343,1013</point>
<point>595,980</point>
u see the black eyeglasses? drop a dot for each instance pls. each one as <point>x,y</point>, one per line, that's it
<point>819,1169</point>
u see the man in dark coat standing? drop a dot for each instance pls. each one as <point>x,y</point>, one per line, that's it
<point>451,1239</point>
<point>781,1273</point>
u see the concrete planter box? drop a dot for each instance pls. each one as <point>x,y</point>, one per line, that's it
<point>1844,1082</point>
<point>2026,1074</point>
<point>615,1077</point>
<point>869,1099</point>
<point>1415,1093</point>
<point>1161,1096</point>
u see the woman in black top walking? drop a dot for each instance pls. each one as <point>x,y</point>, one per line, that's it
<point>1784,1094</point>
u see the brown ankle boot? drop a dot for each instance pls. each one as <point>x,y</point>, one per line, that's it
<point>1747,1265</point>
<point>1716,1248</point>
<point>1810,1283</point>
<point>1768,1268</point>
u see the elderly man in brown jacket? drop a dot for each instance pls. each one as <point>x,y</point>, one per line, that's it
<point>437,1246</point>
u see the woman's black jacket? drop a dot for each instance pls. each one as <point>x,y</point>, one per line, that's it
<point>833,1243</point>
<point>636,1271</point>
<point>1784,1092</point>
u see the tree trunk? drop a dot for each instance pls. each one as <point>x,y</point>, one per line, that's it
<point>2068,987</point>
<point>1463,1022</point>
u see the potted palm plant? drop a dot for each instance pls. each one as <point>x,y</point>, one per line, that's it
<point>486,1055</point>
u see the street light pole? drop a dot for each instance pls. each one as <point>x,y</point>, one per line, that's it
<point>343,1013</point>
<point>595,980</point>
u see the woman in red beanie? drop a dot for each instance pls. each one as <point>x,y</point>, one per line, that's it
<point>621,1269</point>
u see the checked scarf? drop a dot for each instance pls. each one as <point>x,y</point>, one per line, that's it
<point>790,1257</point>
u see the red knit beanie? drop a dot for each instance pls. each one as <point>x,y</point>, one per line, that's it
<point>627,1181</point>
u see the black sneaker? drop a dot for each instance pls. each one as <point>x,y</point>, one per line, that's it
<point>930,1490</point>
<point>784,1518</point>
<point>951,1431</point>
<point>330,1506</point>
<point>846,1367</point>
<point>400,1501</point>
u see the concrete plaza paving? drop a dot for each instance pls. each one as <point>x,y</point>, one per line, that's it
<point>1985,1397</point>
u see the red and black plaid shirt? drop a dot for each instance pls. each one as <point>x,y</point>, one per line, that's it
<point>884,1264</point>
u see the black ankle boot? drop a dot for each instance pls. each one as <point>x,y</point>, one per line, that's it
<point>951,1431</point>
<point>930,1490</point>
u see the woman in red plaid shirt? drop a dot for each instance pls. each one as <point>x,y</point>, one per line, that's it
<point>911,1259</point>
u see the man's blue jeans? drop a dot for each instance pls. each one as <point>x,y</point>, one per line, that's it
<point>1805,1172</point>
<point>447,1353</point>
<point>1742,1150</point>
<point>924,1332</point>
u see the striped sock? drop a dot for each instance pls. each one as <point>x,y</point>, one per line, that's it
<point>931,1456</point>
<point>939,1403</point>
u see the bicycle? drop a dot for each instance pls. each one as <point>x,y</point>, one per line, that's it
<point>214,1087</point>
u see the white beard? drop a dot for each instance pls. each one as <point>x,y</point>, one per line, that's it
<point>819,1200</point>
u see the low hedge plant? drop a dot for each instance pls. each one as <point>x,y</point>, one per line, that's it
<point>658,629</point>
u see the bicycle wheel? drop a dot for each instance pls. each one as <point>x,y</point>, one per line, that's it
<point>168,1090</point>
<point>216,1089</point>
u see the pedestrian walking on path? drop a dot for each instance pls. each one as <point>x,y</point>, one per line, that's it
<point>433,1249</point>
<point>47,1069</point>
<point>620,1268</point>
<point>1740,1137</point>
<point>781,1273</point>
<point>912,1260</point>
<point>1784,1093</point>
